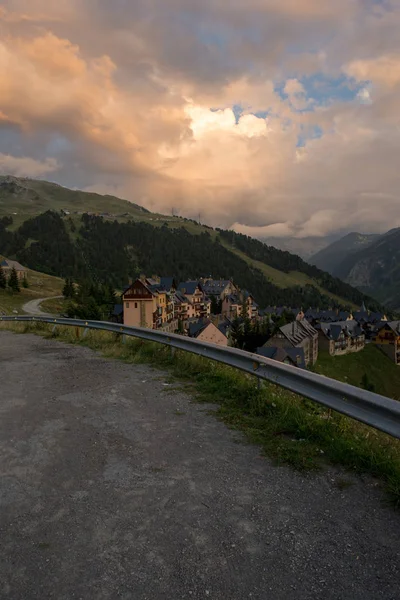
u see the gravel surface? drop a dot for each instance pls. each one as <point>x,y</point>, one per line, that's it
<point>114,485</point>
<point>33,307</point>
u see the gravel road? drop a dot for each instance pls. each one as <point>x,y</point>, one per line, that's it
<point>115,485</point>
<point>33,307</point>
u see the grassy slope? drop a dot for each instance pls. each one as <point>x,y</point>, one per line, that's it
<point>290,429</point>
<point>382,373</point>
<point>40,196</point>
<point>281,279</point>
<point>40,286</point>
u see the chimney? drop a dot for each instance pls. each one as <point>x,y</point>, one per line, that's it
<point>130,281</point>
<point>142,277</point>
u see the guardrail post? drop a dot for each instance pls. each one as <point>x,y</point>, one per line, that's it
<point>85,332</point>
<point>53,331</point>
<point>77,332</point>
<point>123,338</point>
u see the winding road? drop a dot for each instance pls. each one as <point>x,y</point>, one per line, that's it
<point>33,307</point>
<point>115,483</point>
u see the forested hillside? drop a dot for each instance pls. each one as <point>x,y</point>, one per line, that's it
<point>113,252</point>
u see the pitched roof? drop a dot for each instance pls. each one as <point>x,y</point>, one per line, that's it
<point>168,283</point>
<point>294,355</point>
<point>215,286</point>
<point>13,264</point>
<point>297,331</point>
<point>189,287</point>
<point>394,325</point>
<point>196,328</point>
<point>333,330</point>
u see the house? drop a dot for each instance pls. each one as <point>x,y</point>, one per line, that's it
<point>219,288</point>
<point>8,265</point>
<point>206,331</point>
<point>147,304</point>
<point>198,303</point>
<point>341,337</point>
<point>388,340</point>
<point>298,334</point>
<point>289,355</point>
<point>232,305</point>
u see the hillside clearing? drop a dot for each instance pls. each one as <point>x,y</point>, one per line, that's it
<point>282,279</point>
<point>40,286</point>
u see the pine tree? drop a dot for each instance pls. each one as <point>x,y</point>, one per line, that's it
<point>13,282</point>
<point>65,290</point>
<point>3,279</point>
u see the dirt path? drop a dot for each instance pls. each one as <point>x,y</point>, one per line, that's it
<point>33,307</point>
<point>114,484</point>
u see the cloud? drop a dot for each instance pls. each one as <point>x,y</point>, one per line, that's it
<point>188,104</point>
<point>26,167</point>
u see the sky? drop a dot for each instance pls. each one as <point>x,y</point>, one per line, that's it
<point>273,117</point>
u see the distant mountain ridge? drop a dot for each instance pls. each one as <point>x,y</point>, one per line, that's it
<point>329,258</point>
<point>371,263</point>
<point>304,247</point>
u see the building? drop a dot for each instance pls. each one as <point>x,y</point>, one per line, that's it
<point>388,340</point>
<point>219,288</point>
<point>232,305</point>
<point>341,337</point>
<point>147,304</point>
<point>289,355</point>
<point>298,334</point>
<point>8,265</point>
<point>198,304</point>
<point>206,331</point>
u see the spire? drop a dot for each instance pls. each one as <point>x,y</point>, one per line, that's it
<point>363,309</point>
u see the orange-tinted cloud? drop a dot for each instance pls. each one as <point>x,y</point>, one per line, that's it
<point>208,109</point>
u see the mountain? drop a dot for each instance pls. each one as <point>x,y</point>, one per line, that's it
<point>73,233</point>
<point>304,247</point>
<point>329,258</point>
<point>376,269</point>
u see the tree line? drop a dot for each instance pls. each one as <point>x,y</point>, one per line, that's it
<point>111,252</point>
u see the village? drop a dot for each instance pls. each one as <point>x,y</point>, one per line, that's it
<point>208,309</point>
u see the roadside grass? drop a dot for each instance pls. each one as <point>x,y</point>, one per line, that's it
<point>380,371</point>
<point>54,306</point>
<point>40,286</point>
<point>290,429</point>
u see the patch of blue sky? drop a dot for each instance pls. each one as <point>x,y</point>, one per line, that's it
<point>322,90</point>
<point>309,133</point>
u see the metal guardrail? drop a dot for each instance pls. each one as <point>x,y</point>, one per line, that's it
<point>370,408</point>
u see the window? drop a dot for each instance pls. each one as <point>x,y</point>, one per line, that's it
<point>135,304</point>
<point>127,304</point>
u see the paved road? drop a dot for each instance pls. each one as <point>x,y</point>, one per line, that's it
<point>33,307</point>
<point>114,485</point>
